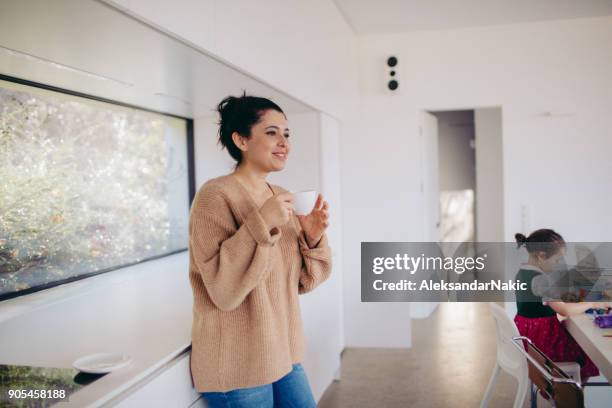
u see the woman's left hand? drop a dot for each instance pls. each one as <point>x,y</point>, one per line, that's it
<point>315,223</point>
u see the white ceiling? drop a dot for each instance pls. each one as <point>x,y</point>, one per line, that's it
<point>395,16</point>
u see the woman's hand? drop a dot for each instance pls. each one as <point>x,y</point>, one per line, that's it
<point>315,223</point>
<point>276,211</point>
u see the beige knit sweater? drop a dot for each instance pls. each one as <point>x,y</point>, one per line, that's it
<point>247,329</point>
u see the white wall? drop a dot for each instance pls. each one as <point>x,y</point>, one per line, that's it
<point>381,202</point>
<point>560,167</point>
<point>552,164</point>
<point>323,308</point>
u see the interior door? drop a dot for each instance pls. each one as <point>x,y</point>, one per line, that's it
<point>430,182</point>
<point>430,189</point>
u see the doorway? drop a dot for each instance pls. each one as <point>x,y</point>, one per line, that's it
<point>457,170</point>
<point>462,181</point>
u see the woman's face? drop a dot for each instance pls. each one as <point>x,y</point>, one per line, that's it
<point>547,264</point>
<point>268,147</point>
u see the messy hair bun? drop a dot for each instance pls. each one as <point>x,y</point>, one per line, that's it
<point>542,240</point>
<point>520,240</point>
<point>239,114</point>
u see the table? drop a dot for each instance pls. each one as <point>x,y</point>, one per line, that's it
<point>591,339</point>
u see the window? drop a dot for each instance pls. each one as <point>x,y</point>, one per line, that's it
<point>87,185</point>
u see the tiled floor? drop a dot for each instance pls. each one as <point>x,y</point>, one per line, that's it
<point>448,365</point>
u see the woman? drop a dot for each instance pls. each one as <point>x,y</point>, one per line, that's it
<point>250,257</point>
<point>537,320</point>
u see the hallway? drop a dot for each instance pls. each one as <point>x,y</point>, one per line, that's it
<point>449,364</point>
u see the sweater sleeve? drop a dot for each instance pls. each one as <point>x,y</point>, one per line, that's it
<point>232,260</point>
<point>317,262</point>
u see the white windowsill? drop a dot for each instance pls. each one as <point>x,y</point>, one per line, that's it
<point>143,310</point>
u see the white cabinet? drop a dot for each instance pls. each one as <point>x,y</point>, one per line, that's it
<point>170,386</point>
<point>199,404</point>
<point>314,163</point>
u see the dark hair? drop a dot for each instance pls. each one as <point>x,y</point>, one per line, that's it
<point>542,240</point>
<point>239,114</point>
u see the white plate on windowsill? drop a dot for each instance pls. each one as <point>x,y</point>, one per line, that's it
<point>102,363</point>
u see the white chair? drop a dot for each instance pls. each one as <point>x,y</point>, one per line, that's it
<point>509,358</point>
<point>513,362</point>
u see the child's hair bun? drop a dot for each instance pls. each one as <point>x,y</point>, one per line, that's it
<point>521,239</point>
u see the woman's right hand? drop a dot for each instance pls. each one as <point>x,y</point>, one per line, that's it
<point>276,211</point>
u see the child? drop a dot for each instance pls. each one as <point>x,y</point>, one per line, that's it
<point>538,320</point>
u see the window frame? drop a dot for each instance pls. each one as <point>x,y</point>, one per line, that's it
<point>190,171</point>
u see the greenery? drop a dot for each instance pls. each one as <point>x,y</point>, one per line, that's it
<point>34,378</point>
<point>83,187</point>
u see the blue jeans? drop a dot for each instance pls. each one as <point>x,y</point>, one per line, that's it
<point>291,391</point>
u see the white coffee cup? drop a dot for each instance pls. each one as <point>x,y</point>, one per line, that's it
<point>304,201</point>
